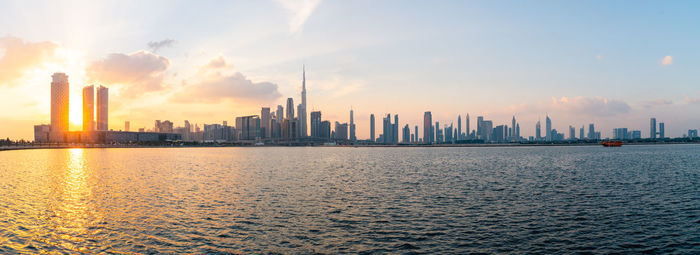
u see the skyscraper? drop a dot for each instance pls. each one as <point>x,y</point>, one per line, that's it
<point>302,109</point>
<point>467,127</point>
<point>290,109</point>
<point>459,128</point>
<point>387,130</point>
<point>395,131</point>
<point>280,113</point>
<point>89,108</point>
<point>591,131</point>
<point>512,133</point>
<point>102,108</point>
<point>316,124</point>
<point>265,119</point>
<point>371,128</point>
<point>580,134</point>
<point>415,135</point>
<point>662,133</point>
<point>352,127</point>
<point>59,103</point>
<point>538,131</point>
<point>479,128</point>
<point>548,124</point>
<point>427,128</point>
<point>652,128</point>
<point>406,134</point>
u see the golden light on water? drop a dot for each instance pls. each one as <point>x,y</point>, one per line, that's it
<point>72,215</point>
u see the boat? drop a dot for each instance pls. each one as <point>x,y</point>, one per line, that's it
<point>612,143</point>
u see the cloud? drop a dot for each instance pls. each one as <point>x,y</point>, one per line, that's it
<point>667,60</point>
<point>218,63</point>
<point>597,106</point>
<point>138,72</point>
<point>300,11</point>
<point>215,86</point>
<point>692,100</point>
<point>155,46</point>
<point>17,56</point>
<point>598,56</point>
<point>658,102</point>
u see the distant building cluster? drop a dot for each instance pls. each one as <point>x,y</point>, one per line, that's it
<point>290,126</point>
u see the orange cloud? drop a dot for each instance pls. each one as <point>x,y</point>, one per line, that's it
<point>667,60</point>
<point>17,56</point>
<point>213,86</point>
<point>137,72</point>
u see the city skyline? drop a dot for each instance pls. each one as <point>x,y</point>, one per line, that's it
<point>496,62</point>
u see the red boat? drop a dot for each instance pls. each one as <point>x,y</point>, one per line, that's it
<point>612,143</point>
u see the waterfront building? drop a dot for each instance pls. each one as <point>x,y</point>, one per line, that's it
<point>572,132</point>
<point>395,130</point>
<point>580,134</point>
<point>427,127</point>
<point>406,134</point>
<point>352,127</point>
<point>371,128</point>
<point>591,132</point>
<point>662,133</point>
<point>102,108</point>
<point>248,127</point>
<point>59,106</point>
<point>459,128</point>
<point>341,131</point>
<point>302,110</point>
<point>89,108</point>
<point>693,133</point>
<point>325,130</point>
<point>127,126</point>
<point>280,113</point>
<point>316,124</point>
<point>512,125</point>
<point>652,128</point>
<point>538,131</point>
<point>416,134</point>
<point>265,121</point>
<point>467,128</point>
<point>548,125</point>
<point>290,109</point>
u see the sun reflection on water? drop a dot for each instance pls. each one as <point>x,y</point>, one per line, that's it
<point>72,215</point>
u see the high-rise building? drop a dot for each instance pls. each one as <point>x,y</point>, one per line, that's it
<point>325,130</point>
<point>517,131</point>
<point>352,127</point>
<point>692,133</point>
<point>479,128</point>
<point>468,131</point>
<point>265,119</point>
<point>591,132</point>
<point>248,127</point>
<point>662,133</point>
<point>102,108</point>
<point>290,109</point>
<point>302,110</point>
<point>652,128</point>
<point>388,128</point>
<point>316,124</point>
<point>538,131</point>
<point>580,134</point>
<point>487,129</point>
<point>341,131</point>
<point>512,134</point>
<point>59,103</point>
<point>395,130</point>
<point>371,128</point>
<point>89,108</point>
<point>280,113</point>
<point>427,127</point>
<point>415,135</point>
<point>459,128</point>
<point>127,126</point>
<point>572,133</point>
<point>548,124</point>
<point>406,134</point>
<point>438,132</point>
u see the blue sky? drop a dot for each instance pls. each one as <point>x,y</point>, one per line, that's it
<point>581,62</point>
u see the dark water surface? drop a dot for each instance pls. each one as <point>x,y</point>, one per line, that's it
<point>549,200</point>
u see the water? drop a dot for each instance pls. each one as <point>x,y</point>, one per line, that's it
<point>351,200</point>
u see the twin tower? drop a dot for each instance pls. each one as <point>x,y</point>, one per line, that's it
<point>60,89</point>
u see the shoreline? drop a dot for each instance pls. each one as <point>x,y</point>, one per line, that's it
<point>110,146</point>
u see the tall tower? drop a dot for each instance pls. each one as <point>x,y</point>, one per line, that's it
<point>512,133</point>
<point>468,131</point>
<point>59,102</point>
<point>352,126</point>
<point>89,108</point>
<point>302,111</point>
<point>548,125</point>
<point>102,108</point>
<point>459,128</point>
<point>652,128</point>
<point>538,128</point>
<point>371,128</point>
<point>427,128</point>
<point>290,109</point>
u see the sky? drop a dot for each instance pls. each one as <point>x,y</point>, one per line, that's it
<point>612,63</point>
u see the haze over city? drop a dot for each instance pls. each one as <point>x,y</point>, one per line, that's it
<point>211,62</point>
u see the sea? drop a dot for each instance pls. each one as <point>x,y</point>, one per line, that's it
<point>345,200</point>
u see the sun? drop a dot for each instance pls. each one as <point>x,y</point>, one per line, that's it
<point>71,62</point>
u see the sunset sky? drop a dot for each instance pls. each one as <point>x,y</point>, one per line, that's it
<point>612,63</point>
